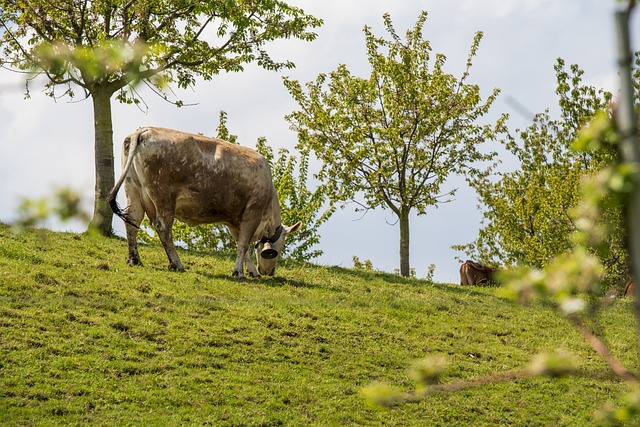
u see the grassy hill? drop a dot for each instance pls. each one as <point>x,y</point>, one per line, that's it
<point>87,340</point>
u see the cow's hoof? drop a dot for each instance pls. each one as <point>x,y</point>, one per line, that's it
<point>178,268</point>
<point>254,274</point>
<point>238,274</point>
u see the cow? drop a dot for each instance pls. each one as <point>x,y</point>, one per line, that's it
<point>170,174</point>
<point>474,273</point>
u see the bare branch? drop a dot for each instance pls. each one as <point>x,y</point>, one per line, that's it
<point>603,350</point>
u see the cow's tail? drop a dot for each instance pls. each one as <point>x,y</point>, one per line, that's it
<point>111,198</point>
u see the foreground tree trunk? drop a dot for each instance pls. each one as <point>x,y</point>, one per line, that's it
<point>102,216</point>
<point>404,243</point>
<point>627,123</point>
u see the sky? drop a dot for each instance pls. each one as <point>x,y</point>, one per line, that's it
<point>46,144</point>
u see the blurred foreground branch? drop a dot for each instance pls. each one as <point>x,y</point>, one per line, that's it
<point>64,204</point>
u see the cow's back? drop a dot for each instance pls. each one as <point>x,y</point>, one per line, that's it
<point>206,179</point>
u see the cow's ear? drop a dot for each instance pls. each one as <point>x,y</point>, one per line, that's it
<point>293,228</point>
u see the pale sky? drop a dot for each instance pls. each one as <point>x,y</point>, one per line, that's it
<point>47,144</point>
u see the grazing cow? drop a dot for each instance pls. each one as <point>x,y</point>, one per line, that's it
<point>474,273</point>
<point>199,180</point>
<point>629,289</point>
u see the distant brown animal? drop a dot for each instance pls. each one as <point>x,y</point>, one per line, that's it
<point>474,273</point>
<point>170,174</point>
<point>628,289</point>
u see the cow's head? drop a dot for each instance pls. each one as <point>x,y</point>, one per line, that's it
<point>268,250</point>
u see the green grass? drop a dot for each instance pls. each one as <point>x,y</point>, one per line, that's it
<point>87,340</point>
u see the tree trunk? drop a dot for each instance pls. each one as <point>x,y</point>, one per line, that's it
<point>404,242</point>
<point>103,128</point>
<point>627,124</point>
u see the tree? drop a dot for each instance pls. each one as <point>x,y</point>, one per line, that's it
<point>528,212</point>
<point>105,47</point>
<point>393,138</point>
<point>297,203</point>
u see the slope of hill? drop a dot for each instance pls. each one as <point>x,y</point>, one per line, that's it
<point>87,340</point>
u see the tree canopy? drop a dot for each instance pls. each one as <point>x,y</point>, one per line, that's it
<point>116,43</point>
<point>105,47</point>
<point>393,138</point>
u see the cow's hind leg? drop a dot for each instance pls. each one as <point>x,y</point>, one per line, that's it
<point>132,242</point>
<point>163,225</point>
<point>238,268</point>
<point>135,215</point>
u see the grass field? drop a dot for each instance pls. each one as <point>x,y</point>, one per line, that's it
<point>87,340</point>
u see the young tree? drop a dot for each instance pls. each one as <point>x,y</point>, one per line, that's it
<point>106,47</point>
<point>528,212</point>
<point>393,138</point>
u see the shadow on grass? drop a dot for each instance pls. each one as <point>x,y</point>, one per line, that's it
<point>275,281</point>
<point>278,281</point>
<point>200,258</point>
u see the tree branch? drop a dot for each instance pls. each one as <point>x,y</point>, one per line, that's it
<point>602,350</point>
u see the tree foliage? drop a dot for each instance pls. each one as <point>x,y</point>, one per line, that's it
<point>64,203</point>
<point>392,139</point>
<point>106,47</point>
<point>116,43</point>
<point>528,212</point>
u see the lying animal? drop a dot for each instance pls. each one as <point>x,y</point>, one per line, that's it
<point>474,273</point>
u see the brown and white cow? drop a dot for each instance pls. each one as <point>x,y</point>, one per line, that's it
<point>170,174</point>
<point>474,273</point>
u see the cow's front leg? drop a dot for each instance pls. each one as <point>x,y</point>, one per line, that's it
<point>244,260</point>
<point>238,269</point>
<point>244,234</point>
<point>251,269</point>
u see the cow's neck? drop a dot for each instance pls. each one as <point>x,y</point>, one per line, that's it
<point>272,220</point>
